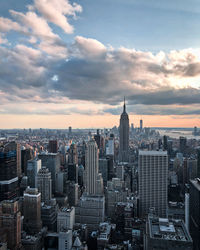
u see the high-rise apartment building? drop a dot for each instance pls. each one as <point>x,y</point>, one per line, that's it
<point>44,184</point>
<point>124,136</point>
<point>32,211</point>
<point>153,176</point>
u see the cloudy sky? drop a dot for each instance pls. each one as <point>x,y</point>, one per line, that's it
<point>70,63</point>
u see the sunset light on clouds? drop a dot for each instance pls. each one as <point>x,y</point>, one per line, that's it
<point>55,73</point>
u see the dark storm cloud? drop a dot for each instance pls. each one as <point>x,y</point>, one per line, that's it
<point>140,109</point>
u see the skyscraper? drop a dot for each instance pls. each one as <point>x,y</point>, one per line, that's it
<point>33,166</point>
<point>53,146</point>
<point>153,174</point>
<point>52,162</point>
<point>32,210</point>
<point>141,125</point>
<point>124,136</point>
<point>194,222</point>
<point>92,167</point>
<point>44,184</point>
<point>8,171</point>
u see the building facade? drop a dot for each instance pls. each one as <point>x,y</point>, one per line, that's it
<point>153,181</point>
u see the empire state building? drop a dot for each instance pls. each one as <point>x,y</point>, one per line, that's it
<point>124,136</point>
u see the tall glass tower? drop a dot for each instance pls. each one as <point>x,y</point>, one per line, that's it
<point>124,136</point>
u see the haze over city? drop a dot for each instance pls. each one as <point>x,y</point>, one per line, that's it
<point>70,63</point>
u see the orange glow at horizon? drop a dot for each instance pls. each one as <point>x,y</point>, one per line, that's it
<point>95,121</point>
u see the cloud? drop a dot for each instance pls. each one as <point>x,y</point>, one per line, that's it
<point>56,12</point>
<point>37,25</point>
<point>3,40</point>
<point>87,47</point>
<point>87,70</point>
<point>158,110</point>
<point>7,25</point>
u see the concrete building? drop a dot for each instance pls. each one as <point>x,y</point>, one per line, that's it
<point>65,240</point>
<point>90,211</point>
<point>32,211</point>
<point>10,224</point>
<point>44,184</point>
<point>124,136</point>
<point>166,234</point>
<point>49,216</point>
<point>153,180</point>
<point>32,242</point>
<point>104,235</point>
<point>65,219</point>
<point>33,167</point>
<point>120,172</point>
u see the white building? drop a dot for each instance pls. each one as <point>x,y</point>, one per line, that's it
<point>153,176</point>
<point>65,219</point>
<point>65,240</point>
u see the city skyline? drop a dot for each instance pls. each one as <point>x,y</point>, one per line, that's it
<point>63,64</point>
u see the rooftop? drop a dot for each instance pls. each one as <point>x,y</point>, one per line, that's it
<point>165,229</point>
<point>153,152</point>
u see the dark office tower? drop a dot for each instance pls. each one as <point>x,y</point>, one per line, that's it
<point>97,138</point>
<point>53,146</point>
<point>70,132</point>
<point>124,136</point>
<point>195,212</point>
<point>110,159</point>
<point>8,171</point>
<point>73,172</point>
<point>10,224</point>
<point>160,144</point>
<point>182,144</point>
<point>165,142</point>
<point>73,154</point>
<point>52,162</point>
<point>141,125</point>
<point>32,211</point>
<point>26,154</point>
<point>19,167</point>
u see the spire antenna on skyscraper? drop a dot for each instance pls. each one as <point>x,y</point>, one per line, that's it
<point>124,104</point>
